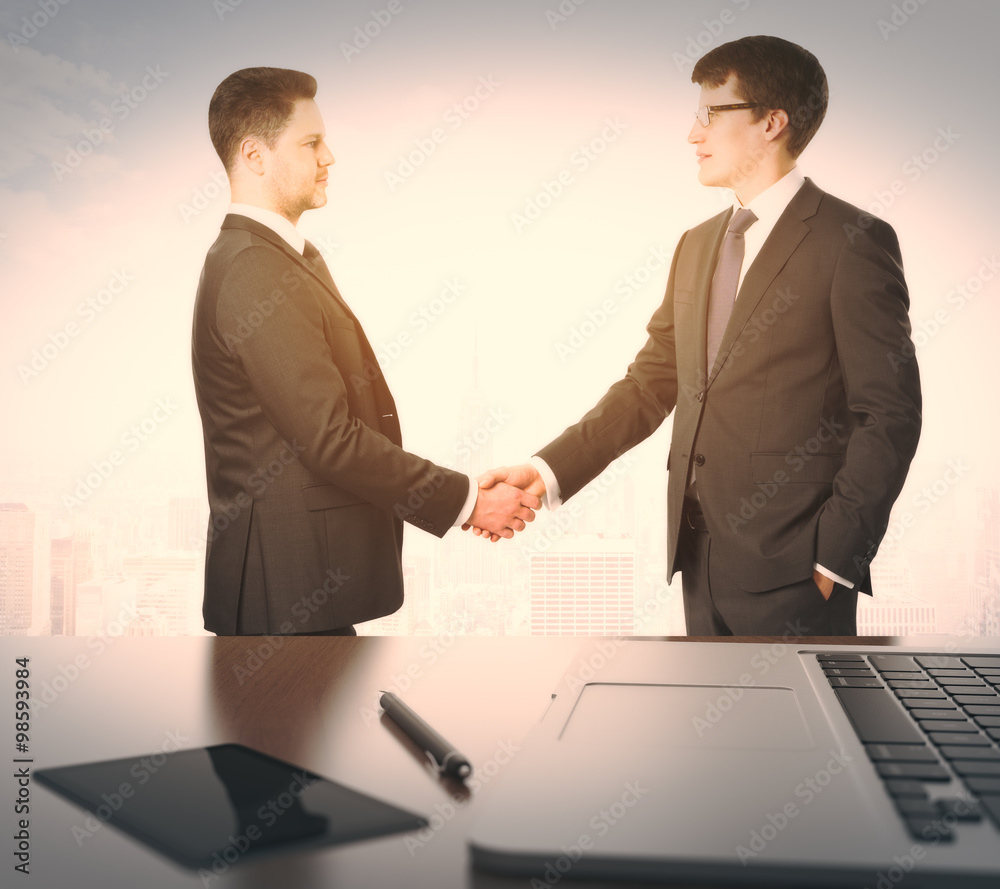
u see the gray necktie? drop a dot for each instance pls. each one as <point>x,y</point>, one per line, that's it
<point>724,285</point>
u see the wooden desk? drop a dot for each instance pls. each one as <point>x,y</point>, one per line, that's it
<point>311,701</point>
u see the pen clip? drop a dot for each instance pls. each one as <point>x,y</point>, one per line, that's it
<point>438,767</point>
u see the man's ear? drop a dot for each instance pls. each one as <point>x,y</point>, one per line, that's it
<point>776,123</point>
<point>250,156</point>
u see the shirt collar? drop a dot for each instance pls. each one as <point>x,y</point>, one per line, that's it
<point>771,202</point>
<point>274,221</point>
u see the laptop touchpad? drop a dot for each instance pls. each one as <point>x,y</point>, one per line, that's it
<point>635,715</point>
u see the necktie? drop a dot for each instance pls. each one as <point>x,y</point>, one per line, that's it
<point>388,422</point>
<point>724,284</point>
<point>313,256</point>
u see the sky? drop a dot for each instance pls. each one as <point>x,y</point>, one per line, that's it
<point>510,182</point>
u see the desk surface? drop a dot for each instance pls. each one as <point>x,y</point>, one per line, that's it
<point>310,701</point>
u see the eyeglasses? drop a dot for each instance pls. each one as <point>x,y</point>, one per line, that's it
<point>705,113</point>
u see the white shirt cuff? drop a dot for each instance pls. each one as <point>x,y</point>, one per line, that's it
<point>826,572</point>
<point>470,504</point>
<point>550,499</point>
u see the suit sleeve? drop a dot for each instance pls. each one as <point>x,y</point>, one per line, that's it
<point>291,363</point>
<point>869,304</point>
<point>630,411</point>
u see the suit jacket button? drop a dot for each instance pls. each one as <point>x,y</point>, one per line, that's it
<point>700,396</point>
<point>699,459</point>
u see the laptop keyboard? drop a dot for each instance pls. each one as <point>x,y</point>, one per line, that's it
<point>931,727</point>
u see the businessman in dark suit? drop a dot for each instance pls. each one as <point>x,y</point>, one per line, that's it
<point>308,484</point>
<point>794,426</point>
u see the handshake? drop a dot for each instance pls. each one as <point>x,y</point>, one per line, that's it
<point>507,499</point>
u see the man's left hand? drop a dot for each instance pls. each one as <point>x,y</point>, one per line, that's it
<point>824,583</point>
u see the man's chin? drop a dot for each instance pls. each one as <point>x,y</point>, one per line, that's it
<point>706,178</point>
<point>318,200</point>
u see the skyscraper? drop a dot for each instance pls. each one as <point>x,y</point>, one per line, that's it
<point>17,557</point>
<point>584,585</point>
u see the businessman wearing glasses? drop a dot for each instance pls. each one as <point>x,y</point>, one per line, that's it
<point>777,348</point>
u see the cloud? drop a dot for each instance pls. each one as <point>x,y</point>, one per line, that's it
<point>46,103</point>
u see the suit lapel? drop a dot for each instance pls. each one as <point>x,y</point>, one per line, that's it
<point>386,405</point>
<point>700,269</point>
<point>783,241</point>
<point>262,231</point>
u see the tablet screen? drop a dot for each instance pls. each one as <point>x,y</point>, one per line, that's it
<point>223,803</point>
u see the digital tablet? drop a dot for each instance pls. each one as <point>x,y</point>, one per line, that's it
<point>224,803</point>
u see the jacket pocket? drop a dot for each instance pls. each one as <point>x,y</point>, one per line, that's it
<point>328,497</point>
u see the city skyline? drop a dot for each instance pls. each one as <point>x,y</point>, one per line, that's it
<point>509,187</point>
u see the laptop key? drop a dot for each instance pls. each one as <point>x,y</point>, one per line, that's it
<point>900,753</point>
<point>847,665</point>
<point>933,706</point>
<point>981,710</point>
<point>910,683</point>
<point>936,660</point>
<point>929,829</point>
<point>848,671</point>
<point>978,700</point>
<point>991,806</point>
<point>926,714</point>
<point>895,662</point>
<point>960,809</point>
<point>901,787</point>
<point>957,739</point>
<point>987,661</point>
<point>919,808</point>
<point>926,694</point>
<point>918,771</point>
<point>854,682</point>
<point>953,726</point>
<point>990,754</point>
<point>877,718</point>
<point>981,786</point>
<point>965,767</point>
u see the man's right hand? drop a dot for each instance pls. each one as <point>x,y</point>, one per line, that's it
<point>501,509</point>
<point>523,476</point>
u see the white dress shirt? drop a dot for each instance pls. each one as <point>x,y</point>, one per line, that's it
<point>767,207</point>
<point>274,221</point>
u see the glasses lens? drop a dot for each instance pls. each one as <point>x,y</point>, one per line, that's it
<point>702,116</point>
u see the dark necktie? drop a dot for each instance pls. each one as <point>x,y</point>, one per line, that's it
<point>389,422</point>
<point>315,258</point>
<point>722,296</point>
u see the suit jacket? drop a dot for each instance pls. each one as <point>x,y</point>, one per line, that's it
<point>802,432</point>
<point>308,484</point>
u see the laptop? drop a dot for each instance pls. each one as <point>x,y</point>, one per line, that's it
<point>756,763</point>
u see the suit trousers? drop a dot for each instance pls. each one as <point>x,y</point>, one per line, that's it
<point>715,605</point>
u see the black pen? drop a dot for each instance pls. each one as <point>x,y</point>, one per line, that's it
<point>443,756</point>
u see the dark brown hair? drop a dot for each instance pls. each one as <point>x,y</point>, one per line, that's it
<point>254,102</point>
<point>775,74</point>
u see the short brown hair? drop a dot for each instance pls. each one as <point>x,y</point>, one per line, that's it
<point>775,74</point>
<point>254,102</point>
